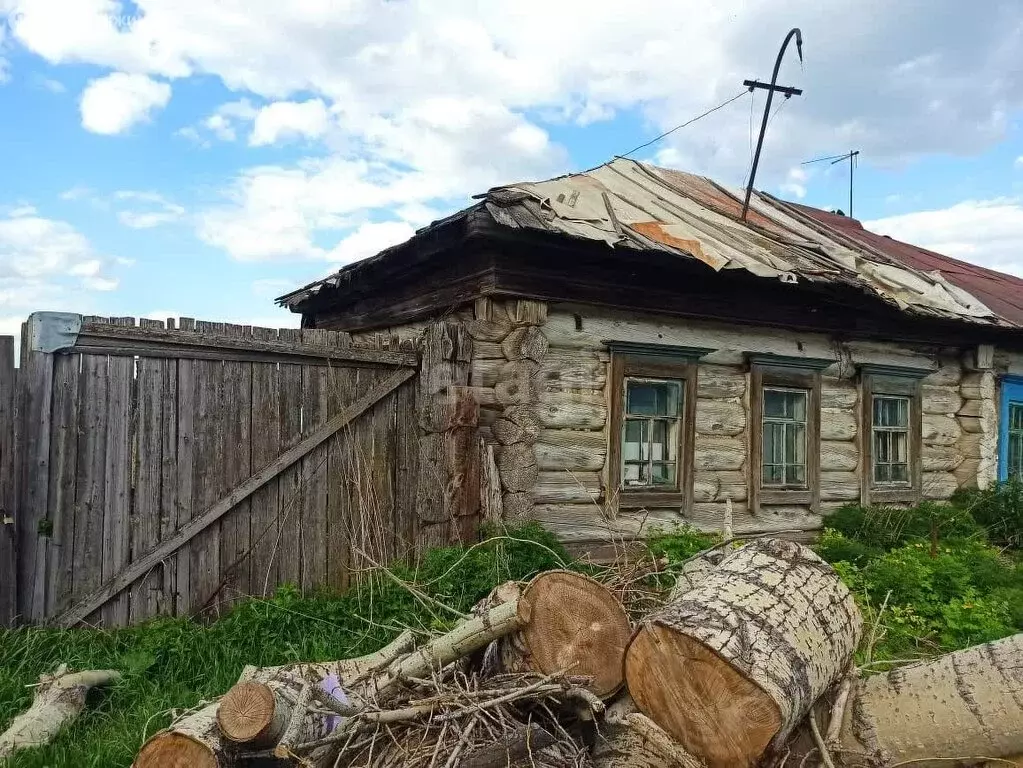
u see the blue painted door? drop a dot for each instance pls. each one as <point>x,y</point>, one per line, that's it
<point>1010,429</point>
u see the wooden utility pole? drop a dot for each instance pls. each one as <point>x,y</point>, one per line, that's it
<point>771,88</point>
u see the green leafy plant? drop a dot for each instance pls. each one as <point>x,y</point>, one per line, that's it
<point>998,509</point>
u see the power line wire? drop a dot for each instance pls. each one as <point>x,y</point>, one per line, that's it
<point>687,123</point>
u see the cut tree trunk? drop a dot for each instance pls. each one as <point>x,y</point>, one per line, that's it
<point>967,704</point>
<point>195,740</point>
<point>629,739</point>
<point>58,700</point>
<point>734,664</point>
<point>577,626</point>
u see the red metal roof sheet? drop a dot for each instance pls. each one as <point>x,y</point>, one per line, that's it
<point>1001,293</point>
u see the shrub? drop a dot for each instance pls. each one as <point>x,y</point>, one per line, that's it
<point>999,510</point>
<point>882,528</point>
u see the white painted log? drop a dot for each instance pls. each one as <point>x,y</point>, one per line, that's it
<point>573,369</point>
<point>575,450</point>
<point>839,394</point>
<point>978,385</point>
<point>732,666</point>
<point>58,699</point>
<point>719,453</point>
<point>940,430</point>
<point>839,456</point>
<point>941,458</point>
<point>938,485</point>
<point>720,381</point>
<point>946,400</point>
<point>840,486</point>
<point>572,410</point>
<point>718,486</point>
<point>967,704</point>
<point>561,487</point>
<point>720,417</point>
<point>838,424</point>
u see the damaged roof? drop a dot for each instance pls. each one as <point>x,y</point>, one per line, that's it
<point>633,205</point>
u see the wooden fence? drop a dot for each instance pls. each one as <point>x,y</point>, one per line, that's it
<point>152,469</point>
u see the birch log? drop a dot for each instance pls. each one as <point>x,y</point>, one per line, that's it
<point>577,626</point>
<point>59,699</point>
<point>194,741</point>
<point>730,667</point>
<point>967,704</point>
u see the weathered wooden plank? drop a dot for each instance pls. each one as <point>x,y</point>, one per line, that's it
<point>235,531</point>
<point>210,444</point>
<point>838,424</point>
<point>144,597</point>
<point>117,477</point>
<point>290,524</point>
<point>406,470</point>
<point>569,369</point>
<point>941,458</point>
<point>35,382</point>
<point>213,336</point>
<point>167,596</point>
<point>571,449</point>
<point>315,478</point>
<point>8,548</point>
<point>341,390</point>
<point>840,486</point>
<point>838,394</point>
<point>89,481</point>
<point>265,448</point>
<point>572,410</point>
<point>709,485</point>
<point>940,430</point>
<point>63,468</point>
<point>838,456</point>
<point>978,385</point>
<point>239,492</point>
<point>186,420</point>
<point>553,487</point>
<point>369,540</point>
<point>770,519</point>
<point>948,374</point>
<point>938,485</point>
<point>720,417</point>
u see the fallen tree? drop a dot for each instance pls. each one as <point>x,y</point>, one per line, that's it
<point>731,666</point>
<point>59,698</point>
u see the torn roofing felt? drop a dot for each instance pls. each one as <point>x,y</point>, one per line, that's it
<point>633,205</point>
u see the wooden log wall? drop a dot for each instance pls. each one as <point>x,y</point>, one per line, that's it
<point>566,389</point>
<point>8,488</point>
<point>124,443</point>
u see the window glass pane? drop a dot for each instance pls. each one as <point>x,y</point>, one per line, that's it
<point>795,474</point>
<point>635,473</point>
<point>773,437</point>
<point>774,403</point>
<point>635,440</point>
<point>891,412</point>
<point>774,474</point>
<point>900,447</point>
<point>663,440</point>
<point>1016,416</point>
<point>1015,440</point>
<point>663,473</point>
<point>882,473</point>
<point>653,398</point>
<point>795,444</point>
<point>784,437</point>
<point>900,473</point>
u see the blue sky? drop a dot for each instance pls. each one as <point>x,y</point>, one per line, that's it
<point>200,157</point>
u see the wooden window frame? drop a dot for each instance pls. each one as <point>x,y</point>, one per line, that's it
<point>797,374</point>
<point>624,365</point>
<point>897,382</point>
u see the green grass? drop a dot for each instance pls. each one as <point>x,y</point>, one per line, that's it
<point>176,663</point>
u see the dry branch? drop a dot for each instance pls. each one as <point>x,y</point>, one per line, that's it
<point>59,699</point>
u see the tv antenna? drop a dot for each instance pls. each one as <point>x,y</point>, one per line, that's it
<point>851,156</point>
<point>771,88</point>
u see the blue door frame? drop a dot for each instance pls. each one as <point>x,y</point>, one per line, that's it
<point>1012,392</point>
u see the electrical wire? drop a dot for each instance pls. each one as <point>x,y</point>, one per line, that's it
<point>687,123</point>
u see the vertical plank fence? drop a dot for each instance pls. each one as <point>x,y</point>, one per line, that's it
<point>171,468</point>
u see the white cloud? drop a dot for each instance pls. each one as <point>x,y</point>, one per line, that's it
<point>150,209</point>
<point>271,287</point>
<point>53,86</point>
<point>47,263</point>
<point>985,232</point>
<point>113,104</point>
<point>795,183</point>
<point>284,120</point>
<point>1019,161</point>
<point>369,239</point>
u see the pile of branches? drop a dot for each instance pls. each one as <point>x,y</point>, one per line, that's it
<point>746,660</point>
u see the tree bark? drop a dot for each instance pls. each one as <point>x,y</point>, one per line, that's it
<point>577,625</point>
<point>731,666</point>
<point>967,704</point>
<point>629,739</point>
<point>58,700</point>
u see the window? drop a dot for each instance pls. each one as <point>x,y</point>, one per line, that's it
<point>784,465</point>
<point>653,417</point>
<point>784,426</point>
<point>890,436</point>
<point>891,433</point>
<point>651,427</point>
<point>1016,441</point>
